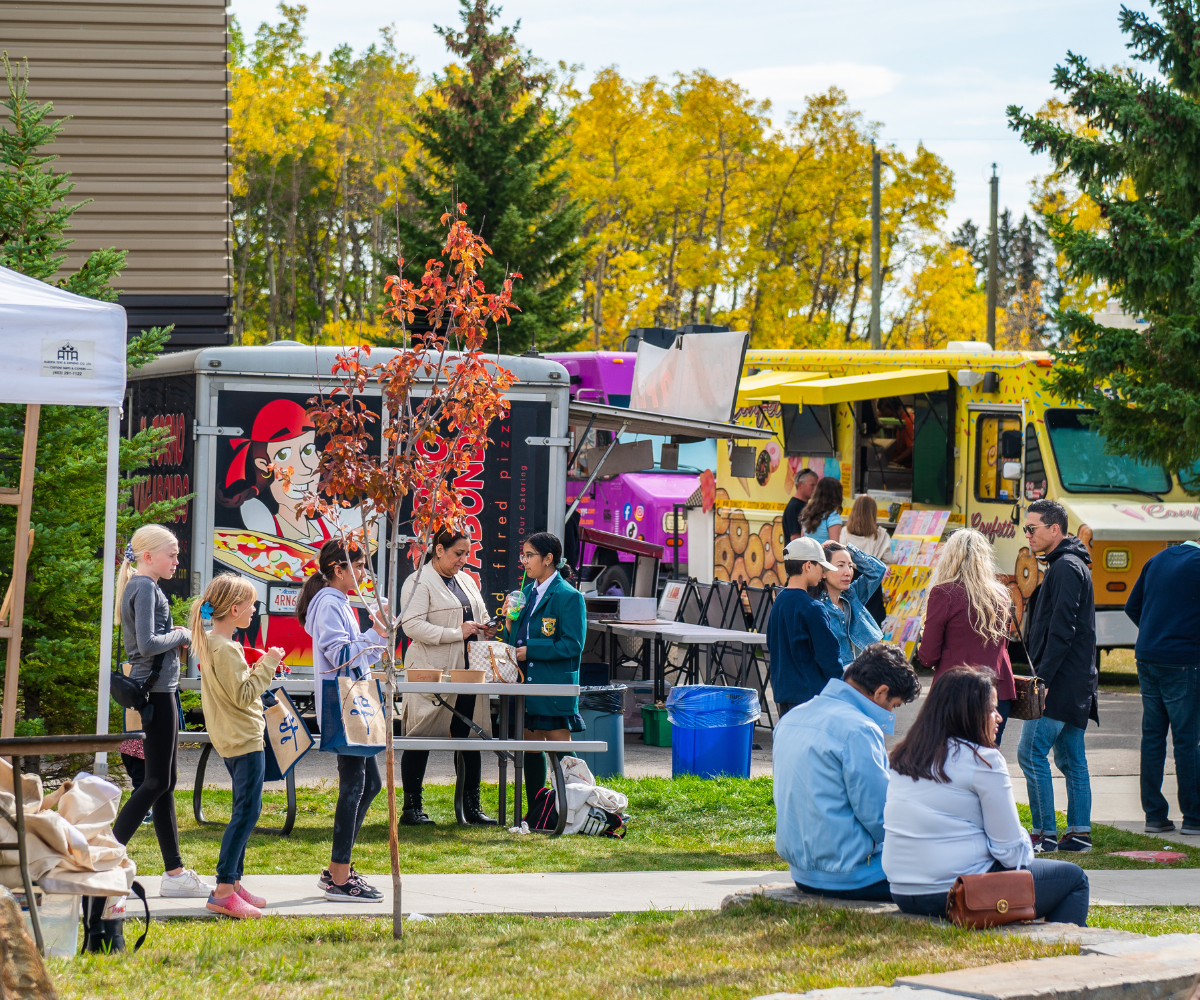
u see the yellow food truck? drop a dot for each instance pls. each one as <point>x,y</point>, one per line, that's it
<point>941,439</point>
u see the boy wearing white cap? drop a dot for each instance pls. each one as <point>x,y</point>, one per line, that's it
<point>804,650</point>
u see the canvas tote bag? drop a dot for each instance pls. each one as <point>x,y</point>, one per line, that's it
<point>288,738</point>
<point>353,721</point>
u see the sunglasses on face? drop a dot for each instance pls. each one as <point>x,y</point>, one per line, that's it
<point>1029,529</point>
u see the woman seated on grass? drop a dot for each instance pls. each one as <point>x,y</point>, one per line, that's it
<point>950,809</point>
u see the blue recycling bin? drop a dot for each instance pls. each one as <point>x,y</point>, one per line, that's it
<point>603,712</point>
<point>712,730</point>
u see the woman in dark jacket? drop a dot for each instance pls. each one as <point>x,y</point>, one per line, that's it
<point>967,614</point>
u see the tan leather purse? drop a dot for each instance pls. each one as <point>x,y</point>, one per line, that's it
<point>991,899</point>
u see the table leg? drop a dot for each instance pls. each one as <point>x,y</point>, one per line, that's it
<point>519,765</point>
<point>656,671</point>
<point>23,857</point>
<point>503,762</point>
<point>198,788</point>
<point>560,792</point>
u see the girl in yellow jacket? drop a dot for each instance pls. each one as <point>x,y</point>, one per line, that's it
<point>230,691</point>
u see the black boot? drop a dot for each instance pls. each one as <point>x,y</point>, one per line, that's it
<point>472,811</point>
<point>413,814</point>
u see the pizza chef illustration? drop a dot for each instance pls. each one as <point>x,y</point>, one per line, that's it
<point>283,435</point>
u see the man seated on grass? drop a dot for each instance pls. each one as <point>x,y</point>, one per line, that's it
<point>831,777</point>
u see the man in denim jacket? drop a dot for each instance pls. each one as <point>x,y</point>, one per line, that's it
<point>831,779</point>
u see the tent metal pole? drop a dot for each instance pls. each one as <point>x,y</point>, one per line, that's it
<point>111,482</point>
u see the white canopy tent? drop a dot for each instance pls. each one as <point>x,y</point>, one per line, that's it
<point>58,349</point>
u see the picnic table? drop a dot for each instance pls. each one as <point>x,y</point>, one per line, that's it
<point>505,748</point>
<point>658,634</point>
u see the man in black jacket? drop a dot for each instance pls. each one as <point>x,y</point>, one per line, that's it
<point>1061,643</point>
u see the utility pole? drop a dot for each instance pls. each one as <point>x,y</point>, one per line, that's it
<point>993,240</point>
<point>876,274</point>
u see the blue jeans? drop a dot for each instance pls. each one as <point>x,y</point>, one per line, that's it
<point>1170,699</point>
<point>1060,894</point>
<point>246,773</point>
<point>1038,736</point>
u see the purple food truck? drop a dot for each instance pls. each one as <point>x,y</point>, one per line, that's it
<point>640,505</point>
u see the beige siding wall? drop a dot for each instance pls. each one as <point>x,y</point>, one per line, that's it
<point>147,86</point>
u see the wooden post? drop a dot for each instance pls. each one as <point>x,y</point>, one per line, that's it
<point>23,498</point>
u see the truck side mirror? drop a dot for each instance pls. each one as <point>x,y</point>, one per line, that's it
<point>1010,445</point>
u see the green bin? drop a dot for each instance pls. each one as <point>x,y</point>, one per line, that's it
<point>656,730</point>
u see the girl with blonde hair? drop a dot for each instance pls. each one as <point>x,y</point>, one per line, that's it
<point>230,691</point>
<point>967,611</point>
<point>152,644</point>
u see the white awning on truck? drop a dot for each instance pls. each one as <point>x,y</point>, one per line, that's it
<point>1138,521</point>
<point>614,418</point>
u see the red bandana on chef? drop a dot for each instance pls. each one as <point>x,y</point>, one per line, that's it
<point>276,421</point>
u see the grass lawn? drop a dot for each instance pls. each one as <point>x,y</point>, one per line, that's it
<point>752,950</point>
<point>680,824</point>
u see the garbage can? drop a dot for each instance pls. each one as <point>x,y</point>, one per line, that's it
<point>603,711</point>
<point>712,730</point>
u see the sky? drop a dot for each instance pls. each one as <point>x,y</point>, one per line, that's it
<point>930,71</point>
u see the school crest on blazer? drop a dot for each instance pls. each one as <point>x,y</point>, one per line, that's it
<point>548,626</point>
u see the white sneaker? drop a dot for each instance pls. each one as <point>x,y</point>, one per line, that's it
<point>186,883</point>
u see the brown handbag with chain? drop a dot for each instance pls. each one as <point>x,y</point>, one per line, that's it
<point>1030,701</point>
<point>991,899</point>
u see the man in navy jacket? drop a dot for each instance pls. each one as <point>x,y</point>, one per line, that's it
<point>1165,606</point>
<point>804,650</point>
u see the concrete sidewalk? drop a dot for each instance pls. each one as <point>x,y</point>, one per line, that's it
<point>594,894</point>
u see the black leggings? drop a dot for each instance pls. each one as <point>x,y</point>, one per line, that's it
<point>414,762</point>
<point>157,790</point>
<point>358,784</point>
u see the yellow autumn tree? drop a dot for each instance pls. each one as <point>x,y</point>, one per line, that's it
<point>941,302</point>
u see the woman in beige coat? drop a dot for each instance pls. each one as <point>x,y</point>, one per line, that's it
<point>442,612</point>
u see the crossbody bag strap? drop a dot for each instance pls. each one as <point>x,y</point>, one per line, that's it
<point>155,670</point>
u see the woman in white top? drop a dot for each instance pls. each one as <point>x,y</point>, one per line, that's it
<point>864,533</point>
<point>950,809</point>
<point>441,612</point>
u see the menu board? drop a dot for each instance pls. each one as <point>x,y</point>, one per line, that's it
<point>926,525</point>
<point>915,550</point>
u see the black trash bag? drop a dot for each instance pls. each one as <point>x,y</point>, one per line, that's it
<point>610,698</point>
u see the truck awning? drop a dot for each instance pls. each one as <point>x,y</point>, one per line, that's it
<point>614,418</point>
<point>813,389</point>
<point>1165,522</point>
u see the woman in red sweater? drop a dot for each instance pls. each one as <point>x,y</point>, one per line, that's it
<point>966,615</point>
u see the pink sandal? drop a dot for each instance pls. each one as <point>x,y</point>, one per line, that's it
<point>255,901</point>
<point>233,905</point>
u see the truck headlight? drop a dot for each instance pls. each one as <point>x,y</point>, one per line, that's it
<point>1116,560</point>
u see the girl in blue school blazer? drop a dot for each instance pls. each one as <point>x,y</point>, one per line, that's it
<point>549,636</point>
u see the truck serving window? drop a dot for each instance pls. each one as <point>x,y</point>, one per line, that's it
<point>807,430</point>
<point>1085,467</point>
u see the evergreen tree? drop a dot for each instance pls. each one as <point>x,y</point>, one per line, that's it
<point>490,138</point>
<point>1137,159</point>
<point>61,629</point>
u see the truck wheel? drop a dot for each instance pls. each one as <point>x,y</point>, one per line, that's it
<point>613,582</point>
